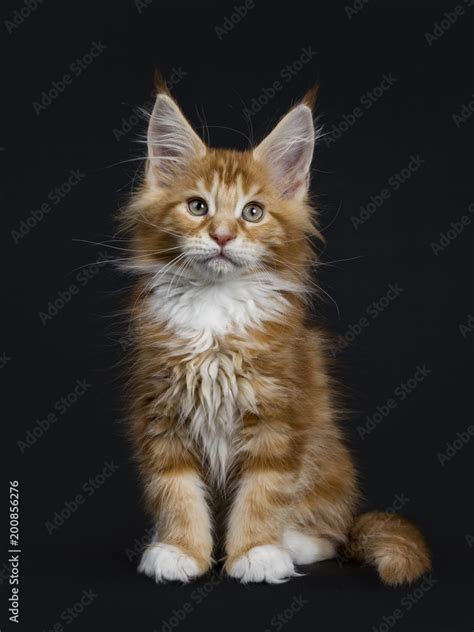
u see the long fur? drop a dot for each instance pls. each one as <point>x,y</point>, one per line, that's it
<point>234,414</point>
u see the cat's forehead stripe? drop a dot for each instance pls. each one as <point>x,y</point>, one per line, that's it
<point>221,194</point>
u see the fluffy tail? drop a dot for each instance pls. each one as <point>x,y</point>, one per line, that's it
<point>392,544</point>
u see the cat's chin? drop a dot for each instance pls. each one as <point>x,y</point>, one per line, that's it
<point>218,268</point>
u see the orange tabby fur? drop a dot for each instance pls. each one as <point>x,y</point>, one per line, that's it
<point>284,472</point>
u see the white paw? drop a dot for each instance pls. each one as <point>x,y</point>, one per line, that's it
<point>305,550</point>
<point>164,562</point>
<point>266,563</point>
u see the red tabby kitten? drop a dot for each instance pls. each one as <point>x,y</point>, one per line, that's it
<point>233,415</point>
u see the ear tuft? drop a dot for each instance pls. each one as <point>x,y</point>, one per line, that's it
<point>288,150</point>
<point>311,97</point>
<point>172,142</point>
<point>160,83</point>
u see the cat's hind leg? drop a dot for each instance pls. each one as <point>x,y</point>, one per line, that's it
<point>323,515</point>
<point>305,548</point>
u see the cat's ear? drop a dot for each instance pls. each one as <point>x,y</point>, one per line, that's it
<point>288,150</point>
<point>172,142</point>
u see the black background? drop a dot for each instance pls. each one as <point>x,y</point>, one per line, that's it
<point>220,75</point>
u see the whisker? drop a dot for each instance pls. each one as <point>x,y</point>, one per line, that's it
<point>204,125</point>
<point>133,250</point>
<point>161,228</point>
<point>181,269</point>
<point>330,263</point>
<point>105,245</point>
<point>93,263</point>
<point>149,285</point>
<point>333,219</point>
<point>312,283</point>
<point>122,162</point>
<point>231,129</point>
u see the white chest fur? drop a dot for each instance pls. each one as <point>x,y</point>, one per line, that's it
<point>199,311</point>
<point>215,387</point>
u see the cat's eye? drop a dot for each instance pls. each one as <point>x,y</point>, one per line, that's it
<point>252,212</point>
<point>196,206</point>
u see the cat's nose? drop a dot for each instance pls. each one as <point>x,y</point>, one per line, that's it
<point>222,237</point>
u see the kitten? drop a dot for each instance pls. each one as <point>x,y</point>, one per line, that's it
<point>234,416</point>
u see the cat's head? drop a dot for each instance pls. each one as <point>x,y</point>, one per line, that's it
<point>215,213</point>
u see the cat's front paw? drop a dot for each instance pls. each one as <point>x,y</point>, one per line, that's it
<point>266,563</point>
<point>165,562</point>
